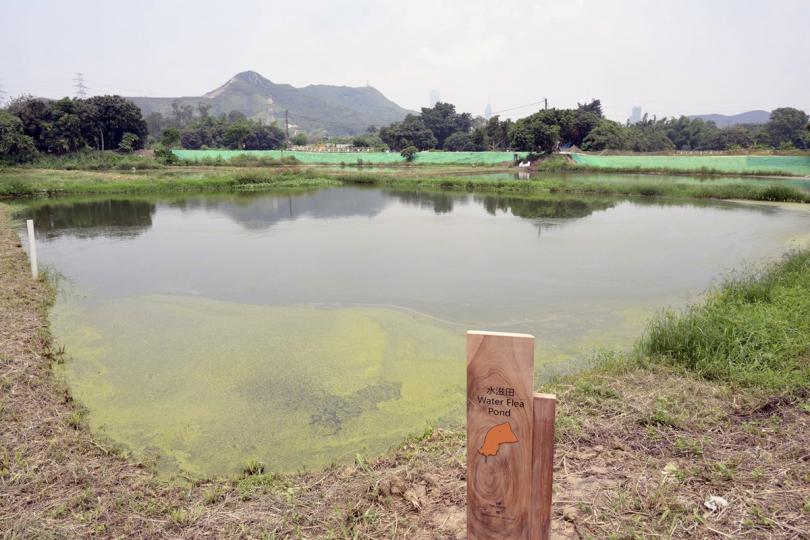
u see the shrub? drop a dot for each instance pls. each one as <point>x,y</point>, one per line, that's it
<point>409,153</point>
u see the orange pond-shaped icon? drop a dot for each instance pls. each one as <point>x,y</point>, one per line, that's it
<point>495,437</point>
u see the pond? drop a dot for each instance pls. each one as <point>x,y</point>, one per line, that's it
<point>302,329</point>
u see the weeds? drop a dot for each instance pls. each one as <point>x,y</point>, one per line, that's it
<point>753,329</point>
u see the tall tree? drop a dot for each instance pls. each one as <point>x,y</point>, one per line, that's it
<point>410,132</point>
<point>788,126</point>
<point>443,120</point>
<point>15,145</point>
<point>113,116</point>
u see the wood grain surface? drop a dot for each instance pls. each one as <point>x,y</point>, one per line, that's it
<point>544,406</point>
<point>500,377</point>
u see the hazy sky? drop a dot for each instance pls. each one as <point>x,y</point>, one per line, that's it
<point>670,57</point>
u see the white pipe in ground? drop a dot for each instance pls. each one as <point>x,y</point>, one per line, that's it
<point>32,249</point>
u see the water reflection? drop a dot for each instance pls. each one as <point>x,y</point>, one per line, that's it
<point>89,219</point>
<point>545,209</point>
<point>440,203</point>
<point>258,211</point>
<point>119,217</point>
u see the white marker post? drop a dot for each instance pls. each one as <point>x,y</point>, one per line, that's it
<point>32,249</point>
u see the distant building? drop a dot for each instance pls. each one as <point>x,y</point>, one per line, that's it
<point>635,115</point>
<point>488,111</point>
<point>434,97</point>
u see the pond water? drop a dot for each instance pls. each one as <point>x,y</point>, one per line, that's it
<point>301,329</point>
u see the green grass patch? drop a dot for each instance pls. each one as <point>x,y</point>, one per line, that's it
<point>24,182</point>
<point>697,164</point>
<point>96,161</point>
<point>753,329</point>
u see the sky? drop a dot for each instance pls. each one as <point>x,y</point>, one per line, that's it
<point>668,57</point>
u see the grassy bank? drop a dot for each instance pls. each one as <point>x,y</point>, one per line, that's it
<point>639,186</point>
<point>53,183</point>
<point>715,402</point>
<point>37,183</point>
<point>753,329</point>
<point>757,165</point>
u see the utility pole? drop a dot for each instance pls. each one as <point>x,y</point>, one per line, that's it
<point>2,94</point>
<point>545,102</point>
<point>78,84</point>
<point>287,124</point>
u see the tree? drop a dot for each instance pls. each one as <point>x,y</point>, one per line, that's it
<point>443,120</point>
<point>192,140</point>
<point>112,116</point>
<point>537,132</point>
<point>594,107</point>
<point>608,135</point>
<point>35,117</point>
<point>497,133</point>
<point>409,153</point>
<point>234,115</point>
<point>15,145</point>
<point>461,142</point>
<point>691,133</point>
<point>731,137</point>
<point>203,108</point>
<point>128,142</point>
<point>155,123</point>
<point>56,127</point>
<point>170,137</point>
<point>410,132</point>
<point>237,133</point>
<point>300,139</point>
<point>264,137</point>
<point>788,125</point>
<point>182,114</point>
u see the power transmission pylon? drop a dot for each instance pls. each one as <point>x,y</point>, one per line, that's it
<point>78,84</point>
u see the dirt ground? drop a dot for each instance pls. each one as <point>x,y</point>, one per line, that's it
<point>640,449</point>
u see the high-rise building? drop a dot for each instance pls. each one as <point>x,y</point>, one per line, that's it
<point>488,111</point>
<point>635,115</point>
<point>434,97</point>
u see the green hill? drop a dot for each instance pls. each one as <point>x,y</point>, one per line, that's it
<point>335,110</point>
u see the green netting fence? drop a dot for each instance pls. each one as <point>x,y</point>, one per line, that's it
<point>798,165</point>
<point>350,158</point>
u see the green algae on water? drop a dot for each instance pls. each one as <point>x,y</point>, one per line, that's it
<point>205,386</point>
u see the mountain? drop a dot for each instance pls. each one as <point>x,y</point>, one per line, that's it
<point>333,110</point>
<point>723,120</point>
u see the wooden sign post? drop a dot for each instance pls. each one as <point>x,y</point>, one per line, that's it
<point>508,464</point>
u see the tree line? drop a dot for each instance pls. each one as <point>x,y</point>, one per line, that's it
<point>196,129</point>
<point>33,126</point>
<point>30,126</point>
<point>441,127</point>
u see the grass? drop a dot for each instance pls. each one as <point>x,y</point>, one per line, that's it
<point>38,183</point>
<point>642,440</point>
<point>96,161</point>
<point>50,183</point>
<point>753,329</point>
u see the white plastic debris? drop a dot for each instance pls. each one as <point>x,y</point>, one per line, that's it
<point>715,503</point>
